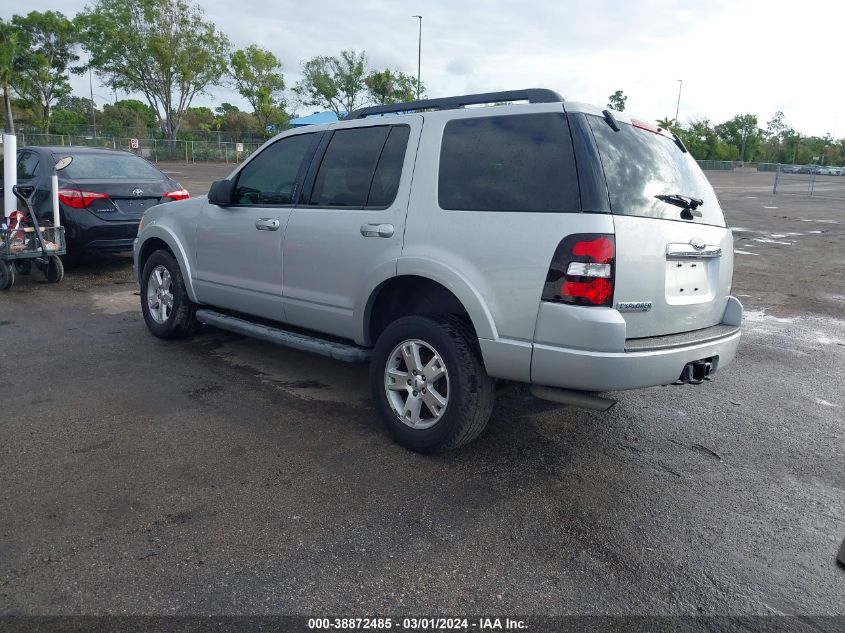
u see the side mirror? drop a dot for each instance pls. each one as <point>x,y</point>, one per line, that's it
<point>220,192</point>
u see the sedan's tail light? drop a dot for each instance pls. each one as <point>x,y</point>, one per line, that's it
<point>77,199</point>
<point>177,194</point>
<point>582,271</point>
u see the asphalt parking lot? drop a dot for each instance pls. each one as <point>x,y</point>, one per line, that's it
<point>223,475</point>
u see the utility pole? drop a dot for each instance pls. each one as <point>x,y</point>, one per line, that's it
<point>91,88</point>
<point>678,107</point>
<point>419,57</point>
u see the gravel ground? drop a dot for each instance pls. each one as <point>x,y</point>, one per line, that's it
<point>225,476</point>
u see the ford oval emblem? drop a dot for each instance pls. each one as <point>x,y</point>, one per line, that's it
<point>140,192</point>
<point>697,243</point>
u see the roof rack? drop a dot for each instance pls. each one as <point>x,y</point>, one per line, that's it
<point>531,95</point>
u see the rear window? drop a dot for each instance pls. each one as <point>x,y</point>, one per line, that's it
<point>640,165</point>
<point>521,162</point>
<point>108,166</point>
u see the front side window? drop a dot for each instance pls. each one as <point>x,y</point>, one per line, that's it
<point>522,162</point>
<point>361,167</point>
<point>27,165</point>
<point>271,177</point>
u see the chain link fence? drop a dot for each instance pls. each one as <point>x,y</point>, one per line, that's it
<point>152,149</point>
<point>807,181</point>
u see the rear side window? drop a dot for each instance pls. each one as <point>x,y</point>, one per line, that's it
<point>639,165</point>
<point>389,169</point>
<point>361,167</point>
<point>109,166</point>
<point>27,165</point>
<point>270,177</point>
<point>521,162</point>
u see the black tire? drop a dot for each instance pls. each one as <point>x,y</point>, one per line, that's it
<point>471,392</point>
<point>7,275</point>
<point>23,267</point>
<point>54,270</point>
<point>181,321</point>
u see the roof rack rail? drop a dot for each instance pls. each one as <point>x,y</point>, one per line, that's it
<point>531,95</point>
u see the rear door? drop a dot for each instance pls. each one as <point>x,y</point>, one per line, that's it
<point>672,274</point>
<point>350,226</point>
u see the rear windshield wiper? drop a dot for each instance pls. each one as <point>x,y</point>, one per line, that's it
<point>688,204</point>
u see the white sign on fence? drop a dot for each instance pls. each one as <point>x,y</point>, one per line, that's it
<point>133,143</point>
<point>239,147</point>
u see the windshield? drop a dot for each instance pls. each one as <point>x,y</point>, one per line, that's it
<point>639,165</point>
<point>110,166</point>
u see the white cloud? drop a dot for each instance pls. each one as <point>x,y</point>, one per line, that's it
<point>737,56</point>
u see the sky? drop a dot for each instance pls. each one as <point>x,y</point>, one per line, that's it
<point>734,56</point>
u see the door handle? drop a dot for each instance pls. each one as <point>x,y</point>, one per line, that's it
<point>377,230</point>
<point>267,224</point>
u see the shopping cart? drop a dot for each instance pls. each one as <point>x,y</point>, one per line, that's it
<point>28,244</point>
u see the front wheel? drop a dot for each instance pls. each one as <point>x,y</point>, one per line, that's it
<point>7,275</point>
<point>167,309</point>
<point>429,383</point>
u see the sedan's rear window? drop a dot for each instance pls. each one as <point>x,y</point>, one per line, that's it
<point>640,164</point>
<point>109,167</point>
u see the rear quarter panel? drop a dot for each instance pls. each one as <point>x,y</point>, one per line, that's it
<point>498,259</point>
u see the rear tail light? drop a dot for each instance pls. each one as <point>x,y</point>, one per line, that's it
<point>582,271</point>
<point>77,199</point>
<point>178,194</point>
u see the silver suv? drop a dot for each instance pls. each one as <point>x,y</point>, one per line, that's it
<point>455,248</point>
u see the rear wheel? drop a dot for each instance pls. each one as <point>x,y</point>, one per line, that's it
<point>54,270</point>
<point>429,383</point>
<point>23,267</point>
<point>167,310</point>
<point>7,275</point>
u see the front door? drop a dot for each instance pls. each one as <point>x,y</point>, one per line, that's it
<point>239,246</point>
<point>349,226</point>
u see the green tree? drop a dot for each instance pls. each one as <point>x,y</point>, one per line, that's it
<point>742,132</point>
<point>9,47</point>
<point>392,86</point>
<point>334,83</point>
<point>50,42</point>
<point>259,80</point>
<point>616,101</point>
<point>163,49</point>
<point>78,105</point>
<point>67,121</point>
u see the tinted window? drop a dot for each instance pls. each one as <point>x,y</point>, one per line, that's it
<point>347,169</point>
<point>109,166</point>
<point>389,170</point>
<point>519,162</point>
<point>270,177</point>
<point>639,165</point>
<point>27,165</point>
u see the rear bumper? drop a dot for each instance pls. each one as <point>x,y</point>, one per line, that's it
<point>635,363</point>
<point>87,232</point>
<point>612,371</point>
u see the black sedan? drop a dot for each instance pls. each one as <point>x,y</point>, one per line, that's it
<point>102,193</point>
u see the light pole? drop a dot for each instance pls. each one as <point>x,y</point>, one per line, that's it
<point>91,88</point>
<point>678,107</point>
<point>419,56</point>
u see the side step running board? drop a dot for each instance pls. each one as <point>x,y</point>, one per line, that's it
<point>340,351</point>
